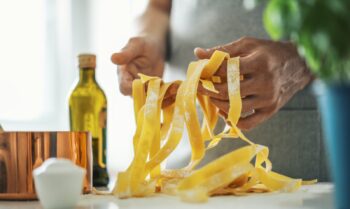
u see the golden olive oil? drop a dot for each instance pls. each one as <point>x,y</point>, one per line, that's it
<point>88,112</point>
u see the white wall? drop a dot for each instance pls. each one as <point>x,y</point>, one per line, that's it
<point>39,42</point>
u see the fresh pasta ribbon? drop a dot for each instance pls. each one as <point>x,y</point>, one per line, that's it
<point>159,131</point>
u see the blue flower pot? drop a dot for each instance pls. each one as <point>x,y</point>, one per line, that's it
<point>334,104</point>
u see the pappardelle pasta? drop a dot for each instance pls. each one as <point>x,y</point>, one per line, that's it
<point>159,131</point>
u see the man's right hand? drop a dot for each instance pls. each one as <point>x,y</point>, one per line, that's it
<point>141,54</point>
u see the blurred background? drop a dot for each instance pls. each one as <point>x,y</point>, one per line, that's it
<point>39,44</point>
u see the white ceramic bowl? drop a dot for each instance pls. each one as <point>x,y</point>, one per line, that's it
<point>58,183</point>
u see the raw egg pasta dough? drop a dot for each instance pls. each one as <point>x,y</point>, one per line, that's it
<point>159,131</point>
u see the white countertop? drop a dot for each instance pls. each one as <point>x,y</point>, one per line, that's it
<point>315,196</point>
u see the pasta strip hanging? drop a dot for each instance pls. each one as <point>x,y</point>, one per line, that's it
<point>159,131</point>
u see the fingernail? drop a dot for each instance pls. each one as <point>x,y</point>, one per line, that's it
<point>197,49</point>
<point>117,58</point>
<point>112,57</point>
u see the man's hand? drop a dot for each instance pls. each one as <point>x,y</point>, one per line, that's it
<point>145,53</point>
<point>140,55</point>
<point>273,72</point>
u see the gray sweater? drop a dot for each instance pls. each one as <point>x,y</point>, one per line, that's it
<point>293,135</point>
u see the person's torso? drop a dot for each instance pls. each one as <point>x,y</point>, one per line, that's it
<point>295,129</point>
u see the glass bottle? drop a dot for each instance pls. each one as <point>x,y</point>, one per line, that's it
<point>88,112</point>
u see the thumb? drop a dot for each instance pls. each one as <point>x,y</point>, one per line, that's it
<point>125,80</point>
<point>236,48</point>
<point>206,53</point>
<point>201,53</point>
<point>132,50</point>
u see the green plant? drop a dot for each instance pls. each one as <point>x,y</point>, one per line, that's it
<point>319,28</point>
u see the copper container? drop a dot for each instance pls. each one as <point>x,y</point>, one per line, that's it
<point>22,152</point>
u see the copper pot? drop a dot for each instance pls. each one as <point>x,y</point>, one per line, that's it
<point>22,152</point>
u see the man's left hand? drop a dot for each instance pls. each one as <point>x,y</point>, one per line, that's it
<point>273,72</point>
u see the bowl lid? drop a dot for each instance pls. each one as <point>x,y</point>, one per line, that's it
<point>55,165</point>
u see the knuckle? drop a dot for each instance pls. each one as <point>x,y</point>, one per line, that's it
<point>273,106</point>
<point>269,85</point>
<point>265,83</point>
<point>264,100</point>
<point>271,98</point>
<point>136,40</point>
<point>245,108</point>
<point>245,39</point>
<point>270,75</point>
<point>220,48</point>
<point>276,105</point>
<point>246,126</point>
<point>124,90</point>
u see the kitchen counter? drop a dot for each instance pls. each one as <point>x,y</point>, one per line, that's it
<point>314,196</point>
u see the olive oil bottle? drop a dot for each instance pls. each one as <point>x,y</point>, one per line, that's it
<point>88,112</point>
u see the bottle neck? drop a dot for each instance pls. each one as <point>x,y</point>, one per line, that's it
<point>87,75</point>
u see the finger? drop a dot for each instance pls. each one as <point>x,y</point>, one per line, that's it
<point>240,47</point>
<point>221,104</point>
<point>222,71</point>
<point>248,104</point>
<point>254,103</point>
<point>125,82</point>
<point>222,88</point>
<point>131,68</point>
<point>168,101</point>
<point>248,87</point>
<point>250,64</point>
<point>223,114</point>
<point>252,121</point>
<point>132,50</point>
<point>172,90</point>
<point>201,53</point>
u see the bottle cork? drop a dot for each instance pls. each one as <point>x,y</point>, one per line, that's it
<point>87,60</point>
